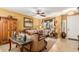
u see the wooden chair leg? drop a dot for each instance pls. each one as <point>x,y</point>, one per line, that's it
<point>78,48</point>
<point>9,45</point>
<point>21,49</point>
<point>31,46</point>
<point>16,45</point>
<point>45,44</point>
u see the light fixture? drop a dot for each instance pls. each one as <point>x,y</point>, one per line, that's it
<point>40,12</point>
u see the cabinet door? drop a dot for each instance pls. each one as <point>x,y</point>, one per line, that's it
<point>1,37</point>
<point>5,30</point>
<point>9,28</point>
<point>12,25</point>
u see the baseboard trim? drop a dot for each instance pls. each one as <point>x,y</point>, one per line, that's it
<point>73,39</point>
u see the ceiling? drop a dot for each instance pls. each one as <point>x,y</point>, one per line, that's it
<point>32,10</point>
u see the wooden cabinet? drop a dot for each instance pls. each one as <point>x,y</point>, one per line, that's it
<point>7,26</point>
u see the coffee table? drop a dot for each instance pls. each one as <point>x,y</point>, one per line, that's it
<point>22,44</point>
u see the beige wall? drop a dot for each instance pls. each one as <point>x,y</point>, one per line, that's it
<point>37,23</point>
<point>58,24</point>
<point>18,16</point>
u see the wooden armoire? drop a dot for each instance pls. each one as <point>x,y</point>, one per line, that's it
<point>7,26</point>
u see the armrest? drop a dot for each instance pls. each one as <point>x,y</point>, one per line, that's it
<point>38,45</point>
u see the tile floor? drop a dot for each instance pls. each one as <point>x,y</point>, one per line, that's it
<point>53,45</point>
<point>65,45</point>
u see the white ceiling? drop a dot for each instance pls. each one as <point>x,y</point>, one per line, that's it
<point>31,10</point>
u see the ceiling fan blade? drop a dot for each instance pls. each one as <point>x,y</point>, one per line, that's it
<point>42,15</point>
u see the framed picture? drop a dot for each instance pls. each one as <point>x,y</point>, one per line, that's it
<point>28,23</point>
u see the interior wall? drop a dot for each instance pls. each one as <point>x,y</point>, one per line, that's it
<point>58,24</point>
<point>19,17</point>
<point>73,26</point>
<point>37,23</point>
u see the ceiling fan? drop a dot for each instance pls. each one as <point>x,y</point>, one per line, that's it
<point>40,13</point>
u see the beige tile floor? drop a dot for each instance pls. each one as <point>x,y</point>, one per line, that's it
<point>53,45</point>
<point>65,45</point>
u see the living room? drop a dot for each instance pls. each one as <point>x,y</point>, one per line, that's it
<point>44,29</point>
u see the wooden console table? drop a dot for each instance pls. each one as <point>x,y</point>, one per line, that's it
<point>20,43</point>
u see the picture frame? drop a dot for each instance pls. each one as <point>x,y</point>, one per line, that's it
<point>28,23</point>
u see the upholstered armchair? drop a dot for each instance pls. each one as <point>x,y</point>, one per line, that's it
<point>38,44</point>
